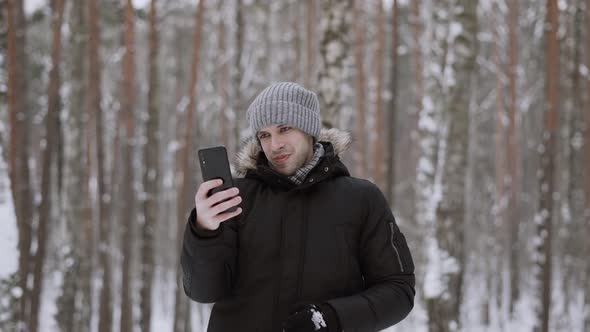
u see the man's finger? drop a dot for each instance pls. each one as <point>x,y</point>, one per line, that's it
<point>219,208</point>
<point>205,187</point>
<point>222,196</point>
<point>228,215</point>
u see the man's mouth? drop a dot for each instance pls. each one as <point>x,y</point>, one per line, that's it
<point>281,159</point>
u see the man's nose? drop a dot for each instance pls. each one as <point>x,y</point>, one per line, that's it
<point>276,143</point>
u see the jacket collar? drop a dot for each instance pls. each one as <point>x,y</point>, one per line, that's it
<point>252,163</point>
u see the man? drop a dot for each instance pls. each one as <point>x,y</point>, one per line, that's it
<point>310,248</point>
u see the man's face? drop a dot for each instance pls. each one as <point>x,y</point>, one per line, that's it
<point>286,148</point>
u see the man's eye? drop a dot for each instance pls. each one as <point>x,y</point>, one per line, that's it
<point>283,129</point>
<point>263,136</point>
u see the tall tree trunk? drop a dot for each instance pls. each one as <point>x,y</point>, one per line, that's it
<point>51,135</point>
<point>184,169</point>
<point>18,151</point>
<point>428,122</point>
<point>223,79</point>
<point>295,64</point>
<point>512,217</point>
<point>546,179</point>
<point>587,168</point>
<point>150,176</point>
<point>237,77</point>
<point>417,132</point>
<point>379,144</point>
<point>499,211</point>
<point>359,87</point>
<point>573,276</point>
<point>416,23</point>
<point>447,252</point>
<point>77,282</point>
<point>334,48</point>
<point>310,55</point>
<point>391,119</point>
<point>128,219</point>
<point>105,318</point>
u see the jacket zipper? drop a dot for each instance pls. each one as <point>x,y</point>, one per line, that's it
<point>399,260</point>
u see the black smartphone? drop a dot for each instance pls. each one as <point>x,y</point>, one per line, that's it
<point>215,165</point>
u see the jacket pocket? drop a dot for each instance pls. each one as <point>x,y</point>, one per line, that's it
<point>395,249</point>
<point>400,249</point>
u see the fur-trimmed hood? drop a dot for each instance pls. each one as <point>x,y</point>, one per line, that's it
<point>247,157</point>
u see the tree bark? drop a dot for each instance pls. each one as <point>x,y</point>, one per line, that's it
<point>359,86</point>
<point>150,176</point>
<point>379,144</point>
<point>190,131</point>
<point>334,48</point>
<point>295,64</point>
<point>18,151</point>
<point>77,281</point>
<point>546,179</point>
<point>417,32</point>
<point>447,250</point>
<point>392,114</point>
<point>586,136</point>
<point>310,40</point>
<point>223,79</point>
<point>51,135</point>
<point>128,215</point>
<point>587,131</point>
<point>105,318</point>
<point>237,77</point>
<point>512,216</point>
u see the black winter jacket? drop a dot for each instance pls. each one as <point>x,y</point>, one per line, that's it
<point>330,240</point>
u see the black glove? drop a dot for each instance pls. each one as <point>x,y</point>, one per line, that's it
<point>313,318</point>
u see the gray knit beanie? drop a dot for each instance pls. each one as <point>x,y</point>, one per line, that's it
<point>286,103</point>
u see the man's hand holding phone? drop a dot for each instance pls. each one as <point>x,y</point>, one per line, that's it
<point>210,209</point>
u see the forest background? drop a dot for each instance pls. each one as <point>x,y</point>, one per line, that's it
<point>473,117</point>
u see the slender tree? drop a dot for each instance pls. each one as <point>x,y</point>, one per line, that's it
<point>586,136</point>
<point>544,254</point>
<point>222,77</point>
<point>447,251</point>
<point>128,219</point>
<point>238,68</point>
<point>572,243</point>
<point>189,132</point>
<point>296,20</point>
<point>512,217</point>
<point>105,314</point>
<point>310,41</point>
<point>379,144</point>
<point>359,87</point>
<point>150,176</point>
<point>77,281</point>
<point>392,114</point>
<point>18,151</point>
<point>587,168</point>
<point>499,139</point>
<point>51,135</point>
<point>417,53</point>
<point>334,49</point>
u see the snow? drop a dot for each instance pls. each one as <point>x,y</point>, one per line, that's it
<point>8,230</point>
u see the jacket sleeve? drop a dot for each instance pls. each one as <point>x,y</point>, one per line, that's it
<point>208,260</point>
<point>388,272</point>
